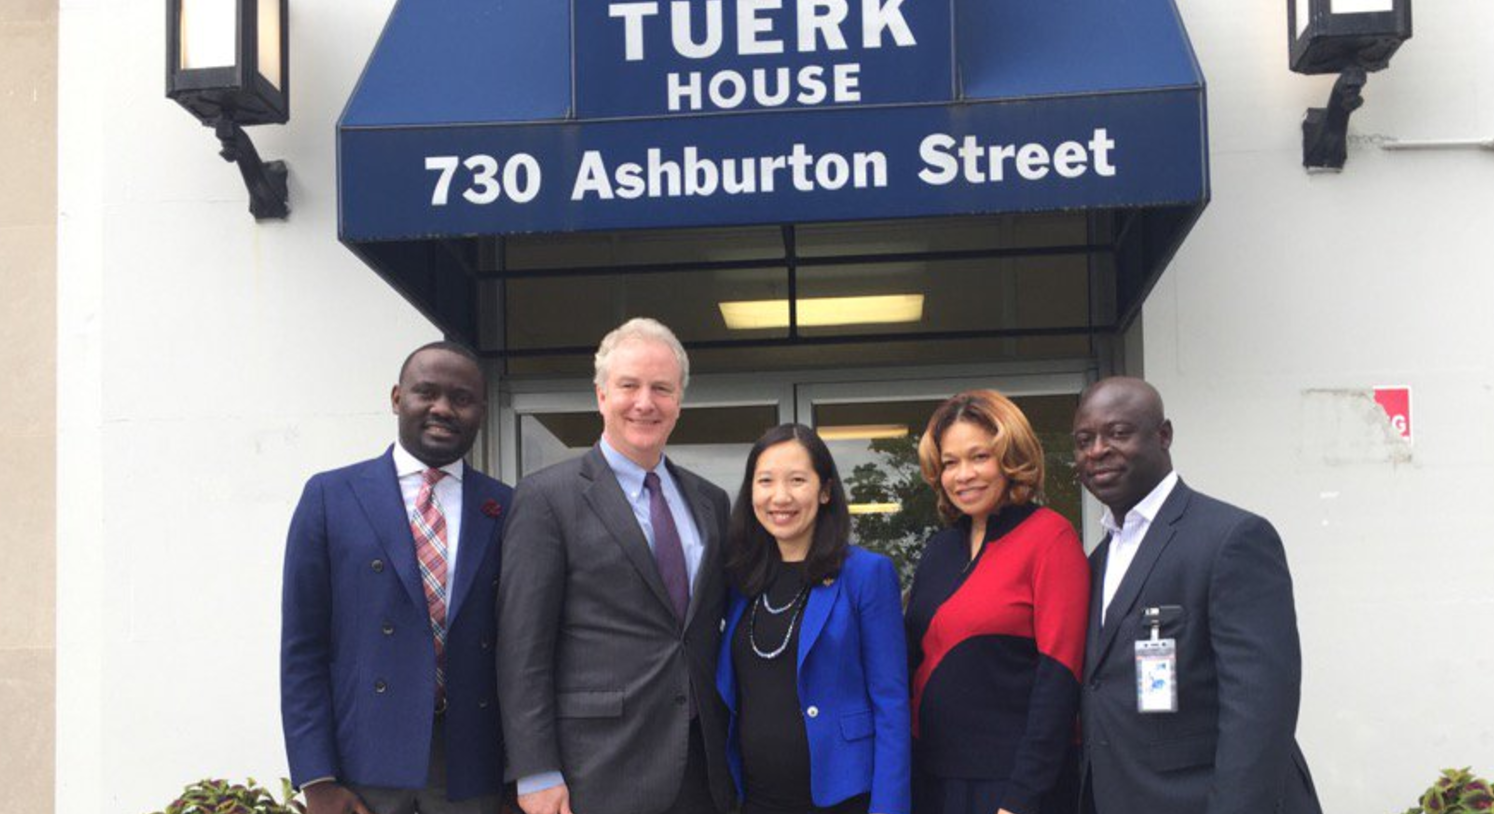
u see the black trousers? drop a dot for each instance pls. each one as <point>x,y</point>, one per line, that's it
<point>852,805</point>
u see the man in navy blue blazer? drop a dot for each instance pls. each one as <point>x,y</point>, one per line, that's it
<point>387,672</point>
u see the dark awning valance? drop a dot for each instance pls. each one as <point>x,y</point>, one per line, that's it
<point>491,117</point>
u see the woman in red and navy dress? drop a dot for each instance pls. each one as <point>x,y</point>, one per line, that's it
<point>996,621</point>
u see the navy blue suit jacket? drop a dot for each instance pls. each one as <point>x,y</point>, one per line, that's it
<point>357,659</point>
<point>853,686</point>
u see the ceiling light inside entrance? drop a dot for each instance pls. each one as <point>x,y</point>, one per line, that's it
<point>750,315</point>
<point>857,432</point>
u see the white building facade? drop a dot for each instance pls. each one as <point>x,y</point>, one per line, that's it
<point>207,364</point>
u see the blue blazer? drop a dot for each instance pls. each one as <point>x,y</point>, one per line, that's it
<point>852,682</point>
<point>357,660</point>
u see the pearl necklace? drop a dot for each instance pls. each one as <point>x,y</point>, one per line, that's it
<point>762,601</point>
<point>767,606</point>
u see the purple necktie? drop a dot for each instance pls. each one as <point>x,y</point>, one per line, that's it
<point>669,554</point>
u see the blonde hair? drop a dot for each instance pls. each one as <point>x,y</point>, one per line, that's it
<point>642,329</point>
<point>1019,453</point>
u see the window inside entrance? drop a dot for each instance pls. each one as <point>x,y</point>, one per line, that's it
<point>812,296</point>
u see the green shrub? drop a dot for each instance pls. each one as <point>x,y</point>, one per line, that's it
<point>1457,791</point>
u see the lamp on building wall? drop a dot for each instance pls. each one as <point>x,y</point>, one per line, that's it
<point>226,63</point>
<point>1349,38</point>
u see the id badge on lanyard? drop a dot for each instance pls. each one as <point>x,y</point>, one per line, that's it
<point>1156,667</point>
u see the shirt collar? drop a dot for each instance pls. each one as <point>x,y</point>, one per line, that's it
<point>629,474</point>
<point>406,464</point>
<point>1146,509</point>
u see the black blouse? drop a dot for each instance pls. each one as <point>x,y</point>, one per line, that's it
<point>770,726</point>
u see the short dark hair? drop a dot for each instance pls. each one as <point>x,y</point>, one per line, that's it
<point>752,556</point>
<point>448,346</point>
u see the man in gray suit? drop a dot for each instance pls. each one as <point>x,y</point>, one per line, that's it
<point>610,606</point>
<point>1192,667</point>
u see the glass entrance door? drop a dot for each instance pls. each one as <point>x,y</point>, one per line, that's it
<point>718,424</point>
<point>871,425</point>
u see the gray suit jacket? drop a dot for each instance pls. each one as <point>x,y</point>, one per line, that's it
<point>1230,748</point>
<point>595,672</point>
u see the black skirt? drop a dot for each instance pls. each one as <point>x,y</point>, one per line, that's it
<point>979,795</point>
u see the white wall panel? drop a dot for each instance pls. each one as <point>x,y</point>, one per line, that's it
<point>208,365</point>
<point>1294,295</point>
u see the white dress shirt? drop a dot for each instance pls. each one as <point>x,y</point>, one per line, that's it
<point>1126,537</point>
<point>411,473</point>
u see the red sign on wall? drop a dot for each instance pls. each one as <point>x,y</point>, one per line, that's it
<point>1396,401</point>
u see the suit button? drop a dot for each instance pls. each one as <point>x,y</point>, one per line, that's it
<point>483,704</point>
<point>380,686</point>
<point>377,566</point>
<point>1094,685</point>
<point>679,699</point>
<point>723,625</point>
<point>388,629</point>
<point>487,645</point>
<point>495,582</point>
<point>813,712</point>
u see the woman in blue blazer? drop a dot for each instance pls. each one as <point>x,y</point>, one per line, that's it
<point>813,659</point>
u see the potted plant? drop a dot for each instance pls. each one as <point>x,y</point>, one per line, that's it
<point>222,797</point>
<point>1457,791</point>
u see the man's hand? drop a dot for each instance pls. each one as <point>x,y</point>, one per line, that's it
<point>554,800</point>
<point>333,798</point>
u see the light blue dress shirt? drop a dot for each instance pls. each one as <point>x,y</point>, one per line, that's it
<point>630,478</point>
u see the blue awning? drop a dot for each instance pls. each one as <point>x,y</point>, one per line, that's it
<point>476,118</point>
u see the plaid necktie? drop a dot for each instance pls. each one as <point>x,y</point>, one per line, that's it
<point>429,527</point>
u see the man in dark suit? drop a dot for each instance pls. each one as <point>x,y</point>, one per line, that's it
<point>610,608</point>
<point>1218,736</point>
<point>387,687</point>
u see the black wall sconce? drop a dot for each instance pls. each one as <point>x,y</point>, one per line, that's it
<point>1349,38</point>
<point>226,63</point>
